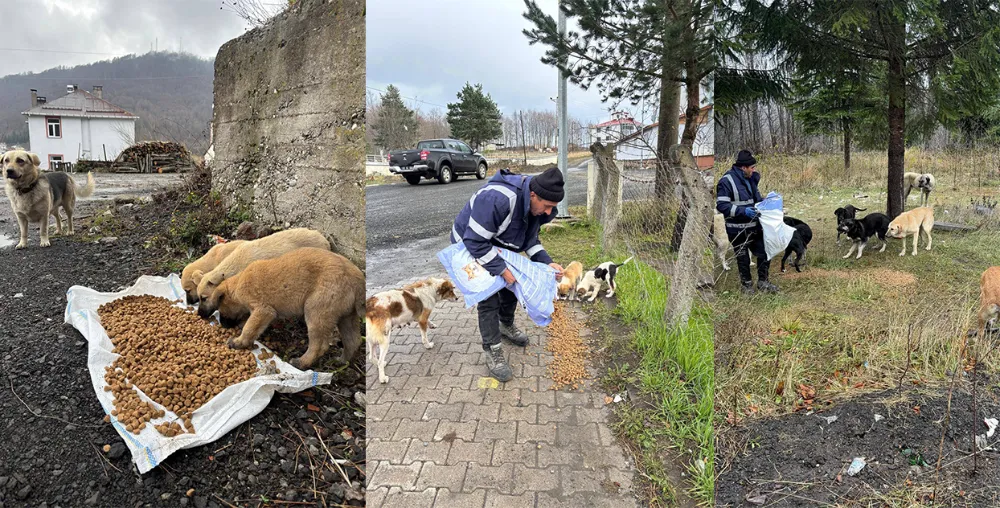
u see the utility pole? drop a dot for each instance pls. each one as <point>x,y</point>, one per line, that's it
<point>524,144</point>
<point>563,209</point>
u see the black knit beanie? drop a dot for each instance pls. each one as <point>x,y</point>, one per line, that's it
<point>745,159</point>
<point>548,185</point>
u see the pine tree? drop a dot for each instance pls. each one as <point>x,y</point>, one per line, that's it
<point>475,118</point>
<point>395,125</point>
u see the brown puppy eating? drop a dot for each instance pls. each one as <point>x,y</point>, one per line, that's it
<point>35,196</point>
<point>268,247</point>
<point>567,284</point>
<point>324,288</point>
<point>193,272</point>
<point>989,297</point>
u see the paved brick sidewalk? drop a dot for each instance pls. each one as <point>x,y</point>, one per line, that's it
<point>440,435</point>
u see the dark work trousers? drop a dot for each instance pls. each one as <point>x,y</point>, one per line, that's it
<point>494,310</point>
<point>745,242</point>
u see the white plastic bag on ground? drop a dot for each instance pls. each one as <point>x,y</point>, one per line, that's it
<point>224,412</point>
<point>777,234</point>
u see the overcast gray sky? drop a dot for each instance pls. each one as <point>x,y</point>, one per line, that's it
<point>430,51</point>
<point>70,32</point>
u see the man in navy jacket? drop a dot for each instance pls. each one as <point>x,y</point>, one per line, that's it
<point>507,212</point>
<point>736,195</point>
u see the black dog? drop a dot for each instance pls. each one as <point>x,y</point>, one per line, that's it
<point>860,230</point>
<point>800,239</point>
<point>847,212</point>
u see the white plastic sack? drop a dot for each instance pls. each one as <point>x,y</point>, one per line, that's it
<point>535,286</point>
<point>224,412</point>
<point>777,234</point>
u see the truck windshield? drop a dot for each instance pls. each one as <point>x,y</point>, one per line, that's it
<point>427,145</point>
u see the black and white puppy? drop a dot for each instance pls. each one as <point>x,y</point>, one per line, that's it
<point>847,212</point>
<point>591,282</point>
<point>860,230</point>
<point>800,240</point>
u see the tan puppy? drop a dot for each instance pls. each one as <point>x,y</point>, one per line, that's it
<point>35,196</point>
<point>912,223</point>
<point>269,247</point>
<point>567,283</point>
<point>324,288</point>
<point>989,297</point>
<point>211,259</point>
<point>398,307</point>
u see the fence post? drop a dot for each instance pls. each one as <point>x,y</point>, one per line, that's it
<point>691,254</point>
<point>608,195</point>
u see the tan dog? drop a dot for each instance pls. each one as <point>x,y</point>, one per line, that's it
<point>989,297</point>
<point>567,283</point>
<point>398,307</point>
<point>324,288</point>
<point>912,223</point>
<point>192,274</point>
<point>269,247</point>
<point>35,196</point>
<point>922,181</point>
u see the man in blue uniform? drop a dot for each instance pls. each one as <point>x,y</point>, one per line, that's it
<point>507,212</point>
<point>736,195</point>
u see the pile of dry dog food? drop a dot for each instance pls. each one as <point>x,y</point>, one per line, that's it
<point>569,365</point>
<point>177,359</point>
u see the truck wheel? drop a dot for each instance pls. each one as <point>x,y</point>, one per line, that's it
<point>445,175</point>
<point>412,179</point>
<point>481,172</point>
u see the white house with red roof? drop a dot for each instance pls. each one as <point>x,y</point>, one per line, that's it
<point>641,146</point>
<point>78,125</point>
<point>620,126</point>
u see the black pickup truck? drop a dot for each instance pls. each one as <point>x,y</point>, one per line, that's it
<point>444,159</point>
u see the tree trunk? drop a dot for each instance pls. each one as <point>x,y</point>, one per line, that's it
<point>847,143</point>
<point>609,192</point>
<point>687,267</point>
<point>666,133</point>
<point>897,119</point>
<point>693,88</point>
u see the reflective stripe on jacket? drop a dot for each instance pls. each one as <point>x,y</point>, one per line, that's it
<point>734,193</point>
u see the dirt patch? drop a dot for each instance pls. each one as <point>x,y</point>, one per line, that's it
<point>52,453</point>
<point>569,363</point>
<point>801,459</point>
<point>883,276</point>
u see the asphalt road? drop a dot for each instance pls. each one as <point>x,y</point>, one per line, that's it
<point>407,225</point>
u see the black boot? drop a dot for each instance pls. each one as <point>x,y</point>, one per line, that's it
<point>763,285</point>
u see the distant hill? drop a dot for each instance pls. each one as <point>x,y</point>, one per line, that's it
<point>170,92</point>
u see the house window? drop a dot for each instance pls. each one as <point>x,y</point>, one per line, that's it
<point>53,124</point>
<point>53,159</point>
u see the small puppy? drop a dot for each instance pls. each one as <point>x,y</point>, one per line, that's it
<point>989,297</point>
<point>567,283</point>
<point>847,212</point>
<point>922,181</point>
<point>860,230</point>
<point>800,240</point>
<point>590,284</point>
<point>269,247</point>
<point>35,196</point>
<point>912,223</point>
<point>211,259</point>
<point>324,288</point>
<point>721,240</point>
<point>398,307</point>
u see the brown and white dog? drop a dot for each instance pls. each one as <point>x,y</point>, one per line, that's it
<point>989,297</point>
<point>922,181</point>
<point>912,223</point>
<point>396,308</point>
<point>567,283</point>
<point>35,196</point>
<point>324,288</point>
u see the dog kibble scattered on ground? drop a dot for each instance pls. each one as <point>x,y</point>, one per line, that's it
<point>569,364</point>
<point>173,356</point>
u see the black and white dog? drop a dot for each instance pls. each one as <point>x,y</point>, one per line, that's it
<point>860,230</point>
<point>800,240</point>
<point>847,212</point>
<point>590,284</point>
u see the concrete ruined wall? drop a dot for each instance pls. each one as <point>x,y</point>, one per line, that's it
<point>288,121</point>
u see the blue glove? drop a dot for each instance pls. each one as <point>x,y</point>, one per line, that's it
<point>750,212</point>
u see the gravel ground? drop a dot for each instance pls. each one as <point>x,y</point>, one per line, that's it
<point>52,453</point>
